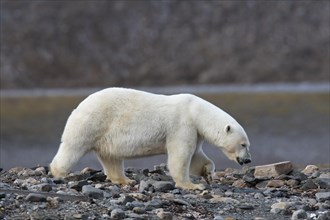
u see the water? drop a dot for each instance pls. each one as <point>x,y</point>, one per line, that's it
<point>283,121</point>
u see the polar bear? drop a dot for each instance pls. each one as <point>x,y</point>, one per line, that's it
<point>119,124</point>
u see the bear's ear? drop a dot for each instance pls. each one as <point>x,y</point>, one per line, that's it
<point>228,129</point>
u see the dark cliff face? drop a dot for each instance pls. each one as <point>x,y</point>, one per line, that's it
<point>126,43</point>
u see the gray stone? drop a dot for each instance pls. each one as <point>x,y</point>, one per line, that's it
<point>155,203</point>
<point>182,202</point>
<point>125,199</point>
<point>139,210</point>
<point>117,214</point>
<point>299,214</point>
<point>77,185</point>
<point>163,186</point>
<point>218,217</point>
<point>322,196</point>
<point>144,185</point>
<point>36,197</point>
<point>273,170</point>
<point>92,192</point>
<point>44,187</point>
<point>259,196</point>
<point>324,176</point>
<point>324,183</point>
<point>308,184</point>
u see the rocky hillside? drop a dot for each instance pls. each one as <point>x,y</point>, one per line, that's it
<point>274,191</point>
<point>135,43</point>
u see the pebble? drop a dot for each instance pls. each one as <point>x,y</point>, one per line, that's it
<point>92,192</point>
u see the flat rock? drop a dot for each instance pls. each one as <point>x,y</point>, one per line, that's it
<point>273,170</point>
<point>36,197</point>
<point>92,192</point>
<point>163,186</point>
<point>322,196</point>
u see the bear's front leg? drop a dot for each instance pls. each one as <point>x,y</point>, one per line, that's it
<point>178,163</point>
<point>114,170</point>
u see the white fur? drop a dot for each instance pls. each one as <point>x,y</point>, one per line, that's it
<point>119,124</point>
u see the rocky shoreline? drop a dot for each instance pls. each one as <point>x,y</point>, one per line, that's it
<point>274,191</point>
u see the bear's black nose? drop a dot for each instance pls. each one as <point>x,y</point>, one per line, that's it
<point>242,161</point>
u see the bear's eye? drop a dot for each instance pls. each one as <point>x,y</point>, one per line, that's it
<point>243,145</point>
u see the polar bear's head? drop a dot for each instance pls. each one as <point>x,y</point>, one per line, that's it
<point>235,144</point>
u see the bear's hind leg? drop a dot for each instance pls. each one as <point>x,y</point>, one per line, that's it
<point>114,170</point>
<point>65,158</point>
<point>201,165</point>
<point>179,159</point>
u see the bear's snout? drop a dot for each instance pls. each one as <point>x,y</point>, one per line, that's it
<point>242,161</point>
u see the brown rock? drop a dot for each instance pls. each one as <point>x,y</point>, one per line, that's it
<point>292,182</point>
<point>273,170</point>
<point>239,184</point>
<point>275,183</point>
